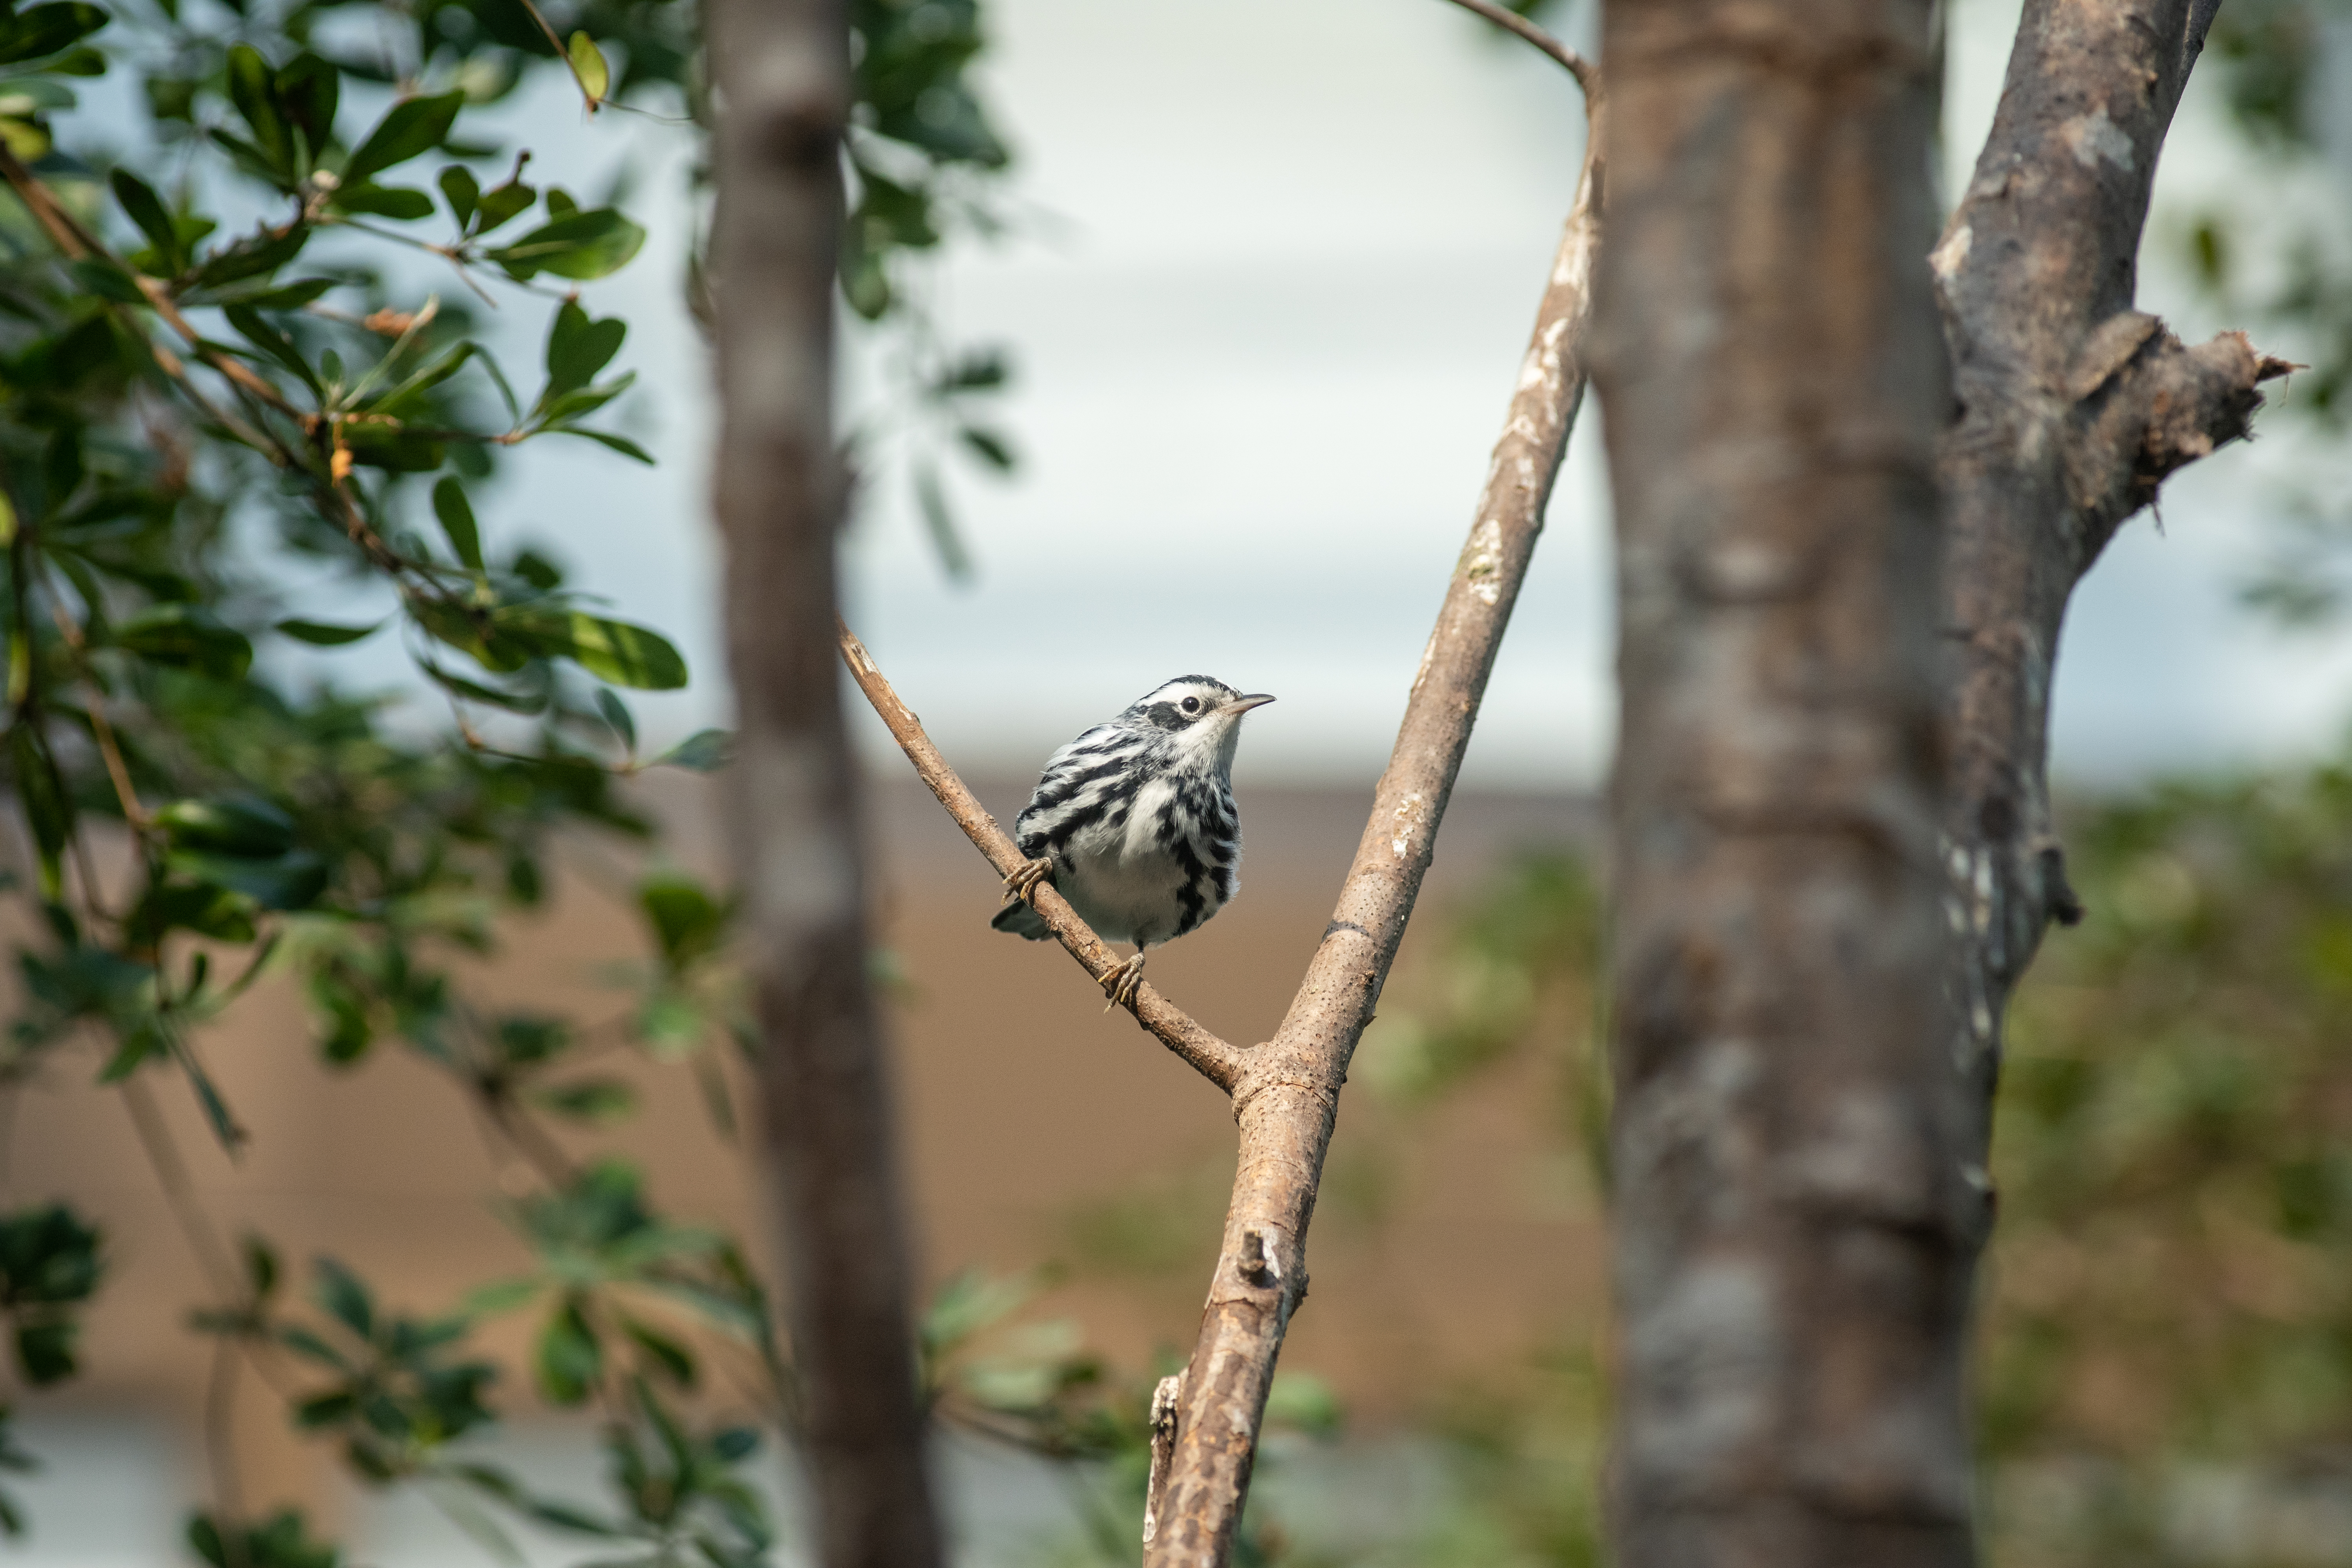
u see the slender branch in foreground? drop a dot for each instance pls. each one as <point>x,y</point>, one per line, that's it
<point>1288,1097</point>
<point>1218,1061</point>
<point>1587,76</point>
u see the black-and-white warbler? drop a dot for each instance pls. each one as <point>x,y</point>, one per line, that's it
<point>1134,821</point>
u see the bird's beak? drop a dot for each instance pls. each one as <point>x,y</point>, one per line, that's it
<point>1241,705</point>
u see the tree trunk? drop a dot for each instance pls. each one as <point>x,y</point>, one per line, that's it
<point>1792,1253</point>
<point>781,71</point>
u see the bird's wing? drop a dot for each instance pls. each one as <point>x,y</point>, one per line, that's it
<point>1079,779</point>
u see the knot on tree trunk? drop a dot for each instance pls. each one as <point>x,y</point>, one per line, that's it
<point>2145,405</point>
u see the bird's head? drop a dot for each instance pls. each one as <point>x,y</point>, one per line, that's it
<point>1197,713</point>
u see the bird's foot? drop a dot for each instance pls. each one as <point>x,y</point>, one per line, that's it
<point>1119,984</point>
<point>1022,883</point>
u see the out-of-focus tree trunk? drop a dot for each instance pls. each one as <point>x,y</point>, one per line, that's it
<point>781,71</point>
<point>1791,1254</point>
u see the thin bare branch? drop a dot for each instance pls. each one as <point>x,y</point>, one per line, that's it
<point>1216,1060</point>
<point>1587,76</point>
<point>162,1151</point>
<point>1288,1095</point>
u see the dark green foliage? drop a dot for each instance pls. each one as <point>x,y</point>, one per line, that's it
<point>2170,1285</point>
<point>209,395</point>
<point>49,1264</point>
<point>281,1540</point>
<point>14,1460</point>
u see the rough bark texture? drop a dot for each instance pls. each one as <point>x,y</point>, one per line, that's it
<point>782,79</point>
<point>1790,1263</point>
<point>1287,1097</point>
<point>2073,407</point>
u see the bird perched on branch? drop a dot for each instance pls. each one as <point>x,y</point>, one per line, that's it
<point>1134,823</point>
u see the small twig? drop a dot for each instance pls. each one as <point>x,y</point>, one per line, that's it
<point>1217,1061</point>
<point>592,100</point>
<point>1289,1105</point>
<point>116,772</point>
<point>220,1454</point>
<point>1587,76</point>
<point>172,1173</point>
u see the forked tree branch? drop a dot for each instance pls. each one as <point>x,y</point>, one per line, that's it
<point>1587,76</point>
<point>2074,406</point>
<point>1218,1061</point>
<point>1285,1092</point>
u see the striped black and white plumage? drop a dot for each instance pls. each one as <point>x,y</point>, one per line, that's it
<point>1134,821</point>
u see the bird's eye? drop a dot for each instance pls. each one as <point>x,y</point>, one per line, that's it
<point>1191,705</point>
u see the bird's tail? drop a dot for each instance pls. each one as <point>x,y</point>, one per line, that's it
<point>1019,919</point>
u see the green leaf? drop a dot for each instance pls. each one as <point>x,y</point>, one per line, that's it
<point>565,412</point>
<point>308,88</point>
<point>687,922</point>
<point>45,1351</point>
<point>614,651</point>
<point>588,64</point>
<point>253,90</point>
<point>318,633</point>
<point>978,370</point>
<point>254,256</point>
<point>186,636</point>
<point>989,447</point>
<point>503,203</point>
<point>581,246</point>
<point>403,396</point>
<point>396,202</point>
<point>616,713</point>
<point>144,207</point>
<point>291,297</point>
<point>672,1357</point>
<point>567,1358</point>
<point>261,334</point>
<point>704,751</point>
<point>289,881</point>
<point>414,127</point>
<point>577,347</point>
<point>108,281</point>
<point>932,499</point>
<point>230,825</point>
<point>260,1267</point>
<point>461,190</point>
<point>598,1101</point>
<point>458,521</point>
<point>458,686</point>
<point>46,29</point>
<point>342,1296</point>
<point>621,444</point>
<point>27,95</point>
